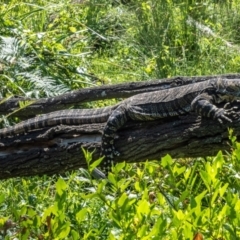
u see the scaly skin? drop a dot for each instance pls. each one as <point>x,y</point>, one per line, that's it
<point>199,97</point>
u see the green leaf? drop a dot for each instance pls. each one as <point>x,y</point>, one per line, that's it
<point>95,164</point>
<point>187,173</point>
<point>61,186</point>
<point>206,179</point>
<point>143,208</point>
<point>137,186</point>
<point>81,215</point>
<point>65,229</point>
<point>178,170</point>
<point>87,156</point>
<point>75,235</point>
<point>158,228</point>
<point>89,196</point>
<point>215,193</point>
<point>223,189</point>
<point>223,213</point>
<point>199,197</point>
<point>122,199</point>
<point>118,167</point>
<point>112,179</point>
<point>183,196</point>
<point>218,161</point>
<point>166,161</point>
<point>180,215</point>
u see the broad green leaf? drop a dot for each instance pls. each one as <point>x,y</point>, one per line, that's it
<point>180,215</point>
<point>122,199</point>
<point>142,231</point>
<point>143,208</point>
<point>37,222</point>
<point>75,235</point>
<point>183,196</point>
<point>137,186</point>
<point>187,173</point>
<point>87,156</point>
<point>206,179</point>
<point>119,166</point>
<point>223,189</point>
<point>96,163</point>
<point>65,229</point>
<point>237,206</point>
<point>223,213</point>
<point>89,196</point>
<point>31,212</point>
<point>139,173</point>
<point>81,215</point>
<point>218,160</point>
<point>60,186</point>
<point>211,171</point>
<point>199,197</point>
<point>215,193</point>
<point>166,161</point>
<point>178,170</point>
<point>112,179</point>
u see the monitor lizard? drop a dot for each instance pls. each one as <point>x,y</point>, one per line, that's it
<point>200,97</point>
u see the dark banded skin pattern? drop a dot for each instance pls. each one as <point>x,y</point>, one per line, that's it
<point>66,117</point>
<point>199,97</point>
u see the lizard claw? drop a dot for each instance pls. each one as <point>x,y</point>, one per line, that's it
<point>226,115</point>
<point>222,115</point>
<point>228,106</point>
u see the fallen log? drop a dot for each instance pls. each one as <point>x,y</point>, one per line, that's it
<point>58,149</point>
<point>78,97</point>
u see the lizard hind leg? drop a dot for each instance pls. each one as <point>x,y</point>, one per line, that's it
<point>116,120</point>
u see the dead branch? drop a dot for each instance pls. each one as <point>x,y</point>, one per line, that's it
<point>77,97</point>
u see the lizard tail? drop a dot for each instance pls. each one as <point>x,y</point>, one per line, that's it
<point>67,117</point>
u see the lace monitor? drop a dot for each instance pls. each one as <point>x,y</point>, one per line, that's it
<point>199,97</point>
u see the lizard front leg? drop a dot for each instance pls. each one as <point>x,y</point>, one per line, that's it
<point>203,105</point>
<point>116,120</point>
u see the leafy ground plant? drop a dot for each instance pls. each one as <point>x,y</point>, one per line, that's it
<point>49,47</point>
<point>154,200</point>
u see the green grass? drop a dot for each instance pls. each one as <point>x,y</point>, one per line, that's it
<point>54,46</point>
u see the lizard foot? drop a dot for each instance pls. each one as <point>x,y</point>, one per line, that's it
<point>233,110</point>
<point>226,115</point>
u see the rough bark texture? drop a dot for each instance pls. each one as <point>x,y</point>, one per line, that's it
<point>97,93</point>
<point>58,149</point>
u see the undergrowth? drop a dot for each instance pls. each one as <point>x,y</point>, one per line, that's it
<point>50,47</point>
<point>165,199</point>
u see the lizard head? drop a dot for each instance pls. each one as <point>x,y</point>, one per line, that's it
<point>229,87</point>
